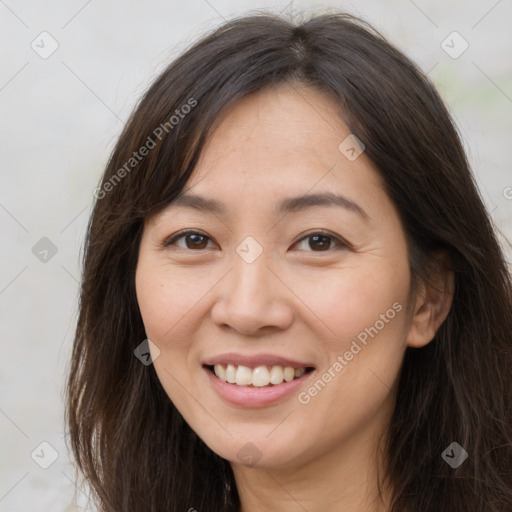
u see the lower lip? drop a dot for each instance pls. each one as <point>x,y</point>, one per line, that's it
<point>251,396</point>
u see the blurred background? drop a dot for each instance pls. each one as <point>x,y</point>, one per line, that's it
<point>71,73</point>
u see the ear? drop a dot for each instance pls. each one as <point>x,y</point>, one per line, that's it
<point>433,301</point>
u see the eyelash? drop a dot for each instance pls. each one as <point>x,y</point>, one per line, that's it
<point>337,240</point>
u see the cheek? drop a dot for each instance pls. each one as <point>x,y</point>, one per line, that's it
<point>167,305</point>
<point>363,329</point>
<point>168,300</point>
<point>367,310</point>
<point>348,301</point>
<point>354,388</point>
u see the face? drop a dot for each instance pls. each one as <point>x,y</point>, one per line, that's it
<point>276,288</point>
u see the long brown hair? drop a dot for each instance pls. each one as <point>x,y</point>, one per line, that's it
<point>130,443</point>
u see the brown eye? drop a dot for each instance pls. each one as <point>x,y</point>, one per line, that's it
<point>319,242</point>
<point>192,240</point>
<point>196,241</point>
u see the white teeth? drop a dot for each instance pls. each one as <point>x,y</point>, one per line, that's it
<point>289,374</point>
<point>276,375</point>
<point>230,374</point>
<point>243,376</point>
<point>260,376</point>
<point>220,372</point>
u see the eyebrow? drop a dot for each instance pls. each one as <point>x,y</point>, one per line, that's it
<point>287,205</point>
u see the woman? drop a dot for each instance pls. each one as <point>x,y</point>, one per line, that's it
<point>293,297</point>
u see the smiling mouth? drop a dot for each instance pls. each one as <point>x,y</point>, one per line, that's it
<point>260,376</point>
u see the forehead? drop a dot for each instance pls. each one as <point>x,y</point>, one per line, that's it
<point>284,139</point>
<point>285,121</point>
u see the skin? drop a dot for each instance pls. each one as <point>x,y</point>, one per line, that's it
<point>295,300</point>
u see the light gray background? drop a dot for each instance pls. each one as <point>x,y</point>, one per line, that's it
<point>60,117</point>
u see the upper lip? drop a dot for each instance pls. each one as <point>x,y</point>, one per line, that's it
<point>255,360</point>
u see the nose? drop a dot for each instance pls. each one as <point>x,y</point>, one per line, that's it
<point>251,299</point>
